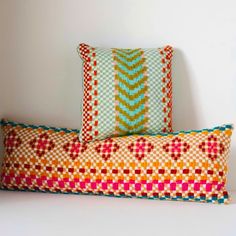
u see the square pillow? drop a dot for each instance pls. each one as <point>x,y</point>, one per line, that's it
<point>126,91</point>
<point>186,165</point>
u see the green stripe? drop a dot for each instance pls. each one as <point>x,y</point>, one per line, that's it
<point>131,88</point>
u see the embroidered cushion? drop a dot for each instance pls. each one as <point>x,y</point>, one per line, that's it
<point>126,91</point>
<point>189,166</point>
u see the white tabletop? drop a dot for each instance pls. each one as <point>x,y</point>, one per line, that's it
<point>43,214</point>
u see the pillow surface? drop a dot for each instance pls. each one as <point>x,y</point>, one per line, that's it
<point>189,166</point>
<point>126,91</point>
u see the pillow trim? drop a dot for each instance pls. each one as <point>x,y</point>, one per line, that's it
<point>184,199</point>
<point>223,127</point>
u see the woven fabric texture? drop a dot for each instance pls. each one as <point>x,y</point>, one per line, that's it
<point>189,166</point>
<point>126,91</point>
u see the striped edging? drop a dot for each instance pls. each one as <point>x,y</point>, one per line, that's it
<point>4,122</point>
<point>221,128</point>
<point>185,199</point>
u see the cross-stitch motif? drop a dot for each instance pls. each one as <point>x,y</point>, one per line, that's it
<point>42,144</point>
<point>74,148</point>
<point>176,147</point>
<point>106,148</point>
<point>189,166</point>
<point>11,142</point>
<point>126,91</point>
<point>140,147</point>
<point>212,147</point>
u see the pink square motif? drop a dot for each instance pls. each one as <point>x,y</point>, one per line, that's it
<point>93,185</point>
<point>126,186</point>
<point>173,186</point>
<point>18,180</point>
<point>219,187</point>
<point>196,187</point>
<point>184,186</point>
<point>82,184</point>
<point>137,187</point>
<point>104,186</point>
<point>72,184</point>
<point>61,184</point>
<point>149,186</point>
<point>115,186</point>
<point>160,186</point>
<point>39,182</point>
<point>208,187</point>
<point>50,183</point>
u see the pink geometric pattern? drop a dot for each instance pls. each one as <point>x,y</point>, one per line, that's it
<point>212,147</point>
<point>74,148</point>
<point>126,185</point>
<point>140,147</point>
<point>11,142</point>
<point>176,147</point>
<point>106,148</point>
<point>42,144</point>
<point>134,165</point>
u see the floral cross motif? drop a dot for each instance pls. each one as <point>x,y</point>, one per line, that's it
<point>176,147</point>
<point>42,144</point>
<point>140,147</point>
<point>74,148</point>
<point>11,142</point>
<point>212,147</point>
<point>106,148</point>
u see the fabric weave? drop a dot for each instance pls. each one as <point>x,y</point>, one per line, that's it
<point>126,91</point>
<point>189,166</point>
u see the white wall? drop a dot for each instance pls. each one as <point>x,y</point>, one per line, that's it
<point>41,72</point>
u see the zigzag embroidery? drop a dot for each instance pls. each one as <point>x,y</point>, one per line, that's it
<point>131,87</point>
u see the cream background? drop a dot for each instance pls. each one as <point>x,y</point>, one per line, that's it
<point>40,71</point>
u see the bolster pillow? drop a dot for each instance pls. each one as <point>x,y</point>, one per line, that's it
<point>189,165</point>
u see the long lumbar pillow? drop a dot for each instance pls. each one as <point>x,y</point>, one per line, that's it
<point>188,166</point>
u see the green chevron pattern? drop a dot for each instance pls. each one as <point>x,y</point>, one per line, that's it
<point>130,90</point>
<point>126,91</point>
